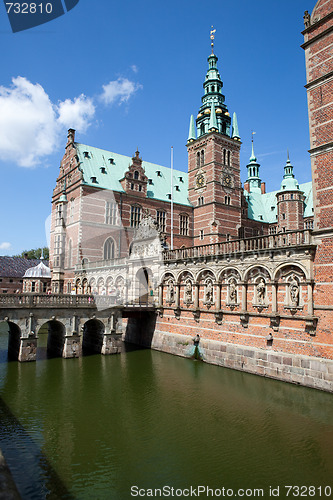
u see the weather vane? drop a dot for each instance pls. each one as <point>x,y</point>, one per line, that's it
<point>253,134</point>
<point>212,36</point>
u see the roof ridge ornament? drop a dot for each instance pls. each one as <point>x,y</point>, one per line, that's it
<point>212,36</point>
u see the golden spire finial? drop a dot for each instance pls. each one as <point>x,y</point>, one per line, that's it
<point>212,36</point>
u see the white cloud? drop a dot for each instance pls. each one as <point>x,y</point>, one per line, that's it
<point>119,91</point>
<point>134,68</point>
<point>76,114</point>
<point>30,124</point>
<point>5,246</point>
<point>28,128</point>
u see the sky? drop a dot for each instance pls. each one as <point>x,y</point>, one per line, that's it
<point>129,75</point>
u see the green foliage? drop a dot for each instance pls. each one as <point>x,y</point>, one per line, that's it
<point>35,253</point>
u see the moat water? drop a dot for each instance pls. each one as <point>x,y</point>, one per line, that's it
<point>91,428</point>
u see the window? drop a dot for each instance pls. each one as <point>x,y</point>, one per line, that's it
<point>44,287</point>
<point>70,253</point>
<point>71,211</point>
<point>132,186</point>
<point>11,281</point>
<point>135,216</point>
<point>283,216</point>
<point>227,200</point>
<point>224,156</point>
<point>33,286</point>
<point>198,159</point>
<point>183,225</point>
<point>140,187</point>
<point>111,213</point>
<point>136,175</point>
<point>272,230</point>
<point>228,157</point>
<point>108,252</point>
<point>200,201</point>
<point>291,196</point>
<point>59,215</point>
<point>202,159</point>
<point>161,220</point>
<point>201,234</point>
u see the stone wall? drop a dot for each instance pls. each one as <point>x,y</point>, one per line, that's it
<point>303,370</point>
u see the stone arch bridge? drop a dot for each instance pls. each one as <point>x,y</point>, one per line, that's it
<point>76,324</point>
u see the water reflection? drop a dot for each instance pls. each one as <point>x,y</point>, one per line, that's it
<point>148,418</point>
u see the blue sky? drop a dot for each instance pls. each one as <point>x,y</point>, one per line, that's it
<point>129,74</point>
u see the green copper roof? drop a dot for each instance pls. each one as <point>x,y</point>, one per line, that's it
<point>235,131</point>
<point>99,172</point>
<point>289,183</point>
<point>263,206</point>
<point>192,133</point>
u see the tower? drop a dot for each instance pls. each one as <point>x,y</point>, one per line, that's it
<point>214,164</point>
<point>290,202</point>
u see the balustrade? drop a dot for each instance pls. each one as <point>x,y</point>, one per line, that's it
<point>257,244</point>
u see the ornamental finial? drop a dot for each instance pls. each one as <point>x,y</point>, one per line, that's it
<point>212,36</point>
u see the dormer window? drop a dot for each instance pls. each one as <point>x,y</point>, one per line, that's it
<point>180,179</point>
<point>158,173</point>
<point>111,160</point>
<point>93,180</point>
<point>169,196</point>
<point>150,181</point>
<point>103,170</point>
<point>177,188</point>
<point>86,154</point>
<point>260,217</point>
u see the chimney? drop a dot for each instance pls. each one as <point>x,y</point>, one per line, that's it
<point>247,186</point>
<point>263,187</point>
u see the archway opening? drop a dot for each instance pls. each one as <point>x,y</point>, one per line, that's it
<point>55,338</point>
<point>10,335</point>
<point>144,286</point>
<point>92,341</point>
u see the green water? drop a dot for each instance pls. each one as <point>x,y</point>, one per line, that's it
<point>91,428</point>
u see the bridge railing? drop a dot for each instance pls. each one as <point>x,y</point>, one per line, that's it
<point>25,300</point>
<point>259,243</point>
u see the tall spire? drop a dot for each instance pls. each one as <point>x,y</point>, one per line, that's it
<point>253,171</point>
<point>191,133</point>
<point>213,94</point>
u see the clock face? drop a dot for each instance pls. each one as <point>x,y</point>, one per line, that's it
<point>227,180</point>
<point>200,181</point>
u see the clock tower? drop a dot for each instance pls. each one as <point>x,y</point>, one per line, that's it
<point>213,164</point>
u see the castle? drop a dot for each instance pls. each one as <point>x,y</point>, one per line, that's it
<point>250,271</point>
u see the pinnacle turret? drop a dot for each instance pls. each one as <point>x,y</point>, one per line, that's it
<point>192,133</point>
<point>235,131</point>
<point>253,171</point>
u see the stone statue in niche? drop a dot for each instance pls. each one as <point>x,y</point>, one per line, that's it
<point>170,297</point>
<point>261,291</point>
<point>294,291</point>
<point>233,291</point>
<point>188,292</point>
<point>209,293</point>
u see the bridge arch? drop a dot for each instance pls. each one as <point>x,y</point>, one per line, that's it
<point>56,332</point>
<point>92,340</point>
<point>14,335</point>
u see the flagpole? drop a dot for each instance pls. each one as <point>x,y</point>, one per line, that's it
<point>171,197</point>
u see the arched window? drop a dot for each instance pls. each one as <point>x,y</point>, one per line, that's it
<point>109,249</point>
<point>202,157</point>
<point>198,159</point>
<point>136,174</point>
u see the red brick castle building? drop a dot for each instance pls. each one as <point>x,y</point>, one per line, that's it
<point>243,267</point>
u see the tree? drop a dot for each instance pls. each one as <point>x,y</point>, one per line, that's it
<point>35,253</point>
